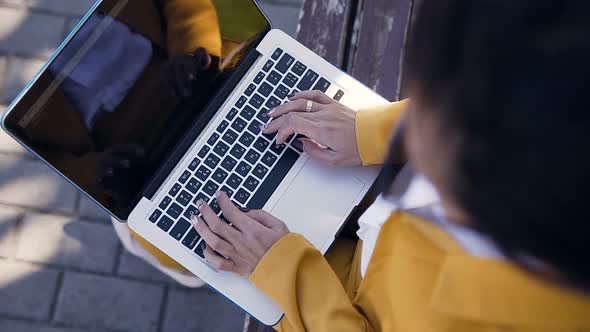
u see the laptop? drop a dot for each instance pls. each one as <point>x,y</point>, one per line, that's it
<point>104,114</point>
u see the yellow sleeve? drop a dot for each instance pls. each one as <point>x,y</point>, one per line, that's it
<point>298,278</point>
<point>192,24</point>
<point>374,128</point>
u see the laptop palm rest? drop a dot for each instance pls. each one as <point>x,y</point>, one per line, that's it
<point>324,195</point>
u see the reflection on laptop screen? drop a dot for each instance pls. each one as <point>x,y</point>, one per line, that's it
<point>129,84</point>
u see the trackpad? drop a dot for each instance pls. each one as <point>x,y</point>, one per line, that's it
<point>317,201</point>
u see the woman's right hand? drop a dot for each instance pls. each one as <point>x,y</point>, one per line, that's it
<point>329,127</point>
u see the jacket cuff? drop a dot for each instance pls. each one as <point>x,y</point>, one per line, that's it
<point>374,128</point>
<point>280,255</point>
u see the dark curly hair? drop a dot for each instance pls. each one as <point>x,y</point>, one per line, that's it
<point>511,78</point>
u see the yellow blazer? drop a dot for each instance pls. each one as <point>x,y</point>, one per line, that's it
<point>419,279</point>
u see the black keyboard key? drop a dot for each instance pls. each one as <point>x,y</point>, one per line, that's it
<point>212,161</point>
<point>259,77</point>
<point>338,96</point>
<point>191,239</point>
<point>254,127</point>
<point>204,151</point>
<point>199,249</point>
<point>242,196</point>
<point>308,80</point>
<point>275,177</point>
<point>241,102</point>
<point>194,164</point>
<point>234,181</point>
<point>277,148</point>
<point>285,63</point>
<point>174,210</point>
<point>261,144</point>
<point>299,68</point>
<point>221,149</point>
<point>256,101</point>
<point>222,126</point>
<point>213,139</point>
<point>297,145</point>
<point>190,212</point>
<point>282,91</point>
<point>268,65</point>
<point>227,191</point>
<point>274,77</point>
<point>239,125</point>
<point>263,115</point>
<point>270,136</point>
<point>272,102</point>
<point>203,173</point>
<point>215,206</point>
<point>193,185</point>
<point>248,113</point>
<point>230,136</point>
<point>251,183</point>
<point>174,190</point>
<point>229,163</point>
<point>243,169</point>
<point>202,197</point>
<point>237,151</point>
<point>210,188</point>
<point>269,159</point>
<point>250,90</point>
<point>252,156</point>
<point>232,114</point>
<point>180,229</point>
<point>165,202</point>
<point>290,80</point>
<point>219,175</point>
<point>260,171</point>
<point>265,89</point>
<point>165,223</point>
<point>184,198</point>
<point>184,177</point>
<point>276,54</point>
<point>155,215</point>
<point>323,85</point>
<point>247,139</point>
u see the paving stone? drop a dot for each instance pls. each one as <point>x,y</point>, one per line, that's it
<point>8,219</point>
<point>201,310</point>
<point>30,183</point>
<point>30,33</point>
<point>7,325</point>
<point>106,302</point>
<point>132,266</point>
<point>68,7</point>
<point>26,290</point>
<point>282,17</point>
<point>89,210</point>
<point>19,72</point>
<point>68,242</point>
<point>7,144</point>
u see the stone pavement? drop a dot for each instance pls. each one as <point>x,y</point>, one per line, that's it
<point>62,267</point>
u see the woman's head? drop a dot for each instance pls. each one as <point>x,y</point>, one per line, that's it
<point>500,123</point>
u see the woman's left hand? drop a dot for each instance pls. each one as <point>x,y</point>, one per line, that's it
<point>240,248</point>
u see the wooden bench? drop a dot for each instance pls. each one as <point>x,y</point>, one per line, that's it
<point>366,38</point>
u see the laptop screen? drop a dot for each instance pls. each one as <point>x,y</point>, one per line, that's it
<point>112,104</point>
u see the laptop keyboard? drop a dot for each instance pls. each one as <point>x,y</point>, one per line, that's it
<point>237,158</point>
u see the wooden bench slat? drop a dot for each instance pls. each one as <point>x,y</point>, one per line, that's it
<point>378,50</point>
<point>323,28</point>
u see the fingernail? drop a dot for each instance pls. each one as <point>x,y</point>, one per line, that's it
<point>291,95</point>
<point>194,220</point>
<point>263,127</point>
<point>217,194</point>
<point>272,111</point>
<point>200,203</point>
